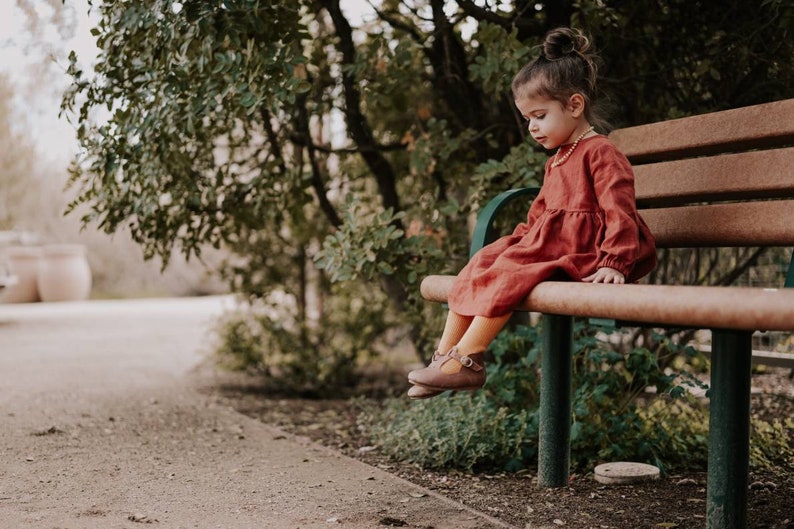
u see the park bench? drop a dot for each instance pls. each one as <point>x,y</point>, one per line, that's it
<point>724,179</point>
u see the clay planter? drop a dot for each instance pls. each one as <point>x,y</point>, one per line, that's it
<point>64,274</point>
<point>22,263</point>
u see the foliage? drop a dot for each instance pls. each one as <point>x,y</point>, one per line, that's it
<point>771,447</point>
<point>497,428</point>
<point>283,133</point>
<point>460,432</point>
<point>186,89</point>
<point>269,339</point>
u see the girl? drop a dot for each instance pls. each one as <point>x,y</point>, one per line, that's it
<point>583,225</point>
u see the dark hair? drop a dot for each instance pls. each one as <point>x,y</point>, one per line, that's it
<point>566,66</point>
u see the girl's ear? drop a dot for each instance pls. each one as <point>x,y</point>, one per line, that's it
<point>576,104</point>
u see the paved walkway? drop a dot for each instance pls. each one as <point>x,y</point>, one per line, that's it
<point>101,426</point>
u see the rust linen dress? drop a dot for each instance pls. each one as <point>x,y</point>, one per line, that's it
<point>584,218</point>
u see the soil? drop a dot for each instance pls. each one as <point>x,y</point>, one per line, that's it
<point>676,501</point>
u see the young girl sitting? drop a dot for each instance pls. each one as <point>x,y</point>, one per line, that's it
<point>583,225</point>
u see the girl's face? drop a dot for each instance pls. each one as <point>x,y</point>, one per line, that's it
<point>550,122</point>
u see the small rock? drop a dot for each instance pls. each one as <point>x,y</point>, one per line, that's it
<point>686,481</point>
<point>140,518</point>
<point>52,430</point>
<point>393,522</point>
<point>763,485</point>
<point>625,472</point>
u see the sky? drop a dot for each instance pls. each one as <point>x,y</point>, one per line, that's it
<point>37,101</point>
<point>38,98</point>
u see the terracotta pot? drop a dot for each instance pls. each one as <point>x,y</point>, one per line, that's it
<point>64,274</point>
<point>22,263</point>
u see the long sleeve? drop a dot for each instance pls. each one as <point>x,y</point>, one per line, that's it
<point>613,182</point>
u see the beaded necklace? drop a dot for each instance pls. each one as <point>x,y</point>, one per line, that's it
<point>559,161</point>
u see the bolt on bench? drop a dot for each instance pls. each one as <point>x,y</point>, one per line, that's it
<point>724,179</point>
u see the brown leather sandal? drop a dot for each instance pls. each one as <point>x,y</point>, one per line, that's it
<point>470,377</point>
<point>421,392</point>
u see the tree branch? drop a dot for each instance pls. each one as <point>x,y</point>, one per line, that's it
<point>317,179</point>
<point>531,26</point>
<point>382,147</point>
<point>272,138</point>
<point>734,274</point>
<point>399,24</point>
<point>357,124</point>
<point>451,70</point>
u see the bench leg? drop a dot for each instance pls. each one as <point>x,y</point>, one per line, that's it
<point>555,402</point>
<point>729,430</point>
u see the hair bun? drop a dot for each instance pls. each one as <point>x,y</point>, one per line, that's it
<point>562,42</point>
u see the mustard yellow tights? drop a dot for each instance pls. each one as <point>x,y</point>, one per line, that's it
<point>470,334</point>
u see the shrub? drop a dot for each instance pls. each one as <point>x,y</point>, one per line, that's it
<point>487,429</point>
<point>772,447</point>
<point>310,357</point>
<point>497,428</point>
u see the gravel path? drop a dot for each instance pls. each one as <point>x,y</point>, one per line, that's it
<point>102,426</point>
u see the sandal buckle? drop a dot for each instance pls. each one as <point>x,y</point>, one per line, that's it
<point>466,361</point>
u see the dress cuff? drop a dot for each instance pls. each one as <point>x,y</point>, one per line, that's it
<point>618,264</point>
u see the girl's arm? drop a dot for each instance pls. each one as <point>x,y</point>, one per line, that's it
<point>613,181</point>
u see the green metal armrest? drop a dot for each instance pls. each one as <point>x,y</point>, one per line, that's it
<point>484,230</point>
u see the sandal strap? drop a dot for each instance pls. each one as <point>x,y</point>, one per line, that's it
<point>466,361</point>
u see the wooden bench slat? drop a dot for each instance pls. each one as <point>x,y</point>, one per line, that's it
<point>736,308</point>
<point>759,126</point>
<point>766,223</point>
<point>750,175</point>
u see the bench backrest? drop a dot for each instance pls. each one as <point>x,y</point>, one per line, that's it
<point>717,180</point>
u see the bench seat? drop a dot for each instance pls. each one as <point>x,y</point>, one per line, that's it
<point>701,307</point>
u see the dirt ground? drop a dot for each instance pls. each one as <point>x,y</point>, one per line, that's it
<point>103,425</point>
<point>677,501</point>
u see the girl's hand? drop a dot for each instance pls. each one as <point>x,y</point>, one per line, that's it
<point>606,275</point>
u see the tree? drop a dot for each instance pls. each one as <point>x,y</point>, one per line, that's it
<point>16,162</point>
<point>290,136</point>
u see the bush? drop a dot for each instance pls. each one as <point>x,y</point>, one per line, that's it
<point>772,447</point>
<point>486,429</point>
<point>497,428</point>
<point>315,357</point>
